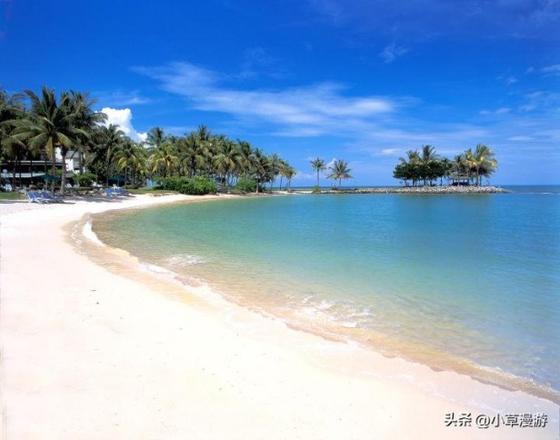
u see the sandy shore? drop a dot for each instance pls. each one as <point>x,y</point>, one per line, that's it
<point>94,349</point>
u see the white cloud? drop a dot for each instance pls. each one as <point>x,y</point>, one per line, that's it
<point>510,80</point>
<point>391,52</point>
<point>499,111</point>
<point>553,70</point>
<point>365,125</point>
<point>120,98</point>
<point>310,109</point>
<point>390,152</point>
<point>520,138</point>
<point>123,118</point>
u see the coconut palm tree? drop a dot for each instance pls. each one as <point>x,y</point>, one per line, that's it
<point>108,139</point>
<point>246,150</point>
<point>156,137</point>
<point>130,158</point>
<point>275,163</point>
<point>260,167</point>
<point>483,161</point>
<point>164,160</point>
<point>194,154</point>
<point>318,166</point>
<point>227,161</point>
<point>86,118</point>
<point>50,125</point>
<point>339,171</point>
<point>289,172</point>
<point>10,110</point>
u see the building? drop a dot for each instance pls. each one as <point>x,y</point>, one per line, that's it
<point>25,172</point>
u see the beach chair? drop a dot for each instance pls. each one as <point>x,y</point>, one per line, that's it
<point>35,197</point>
<point>116,192</point>
<point>122,192</point>
<point>110,192</point>
<point>49,197</point>
<point>31,197</point>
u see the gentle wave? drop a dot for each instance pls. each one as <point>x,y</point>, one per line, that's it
<point>183,260</point>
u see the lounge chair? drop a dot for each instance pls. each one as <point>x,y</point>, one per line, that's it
<point>116,192</point>
<point>50,197</point>
<point>43,197</point>
<point>35,197</point>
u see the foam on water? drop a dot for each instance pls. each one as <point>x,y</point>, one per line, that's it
<point>182,260</point>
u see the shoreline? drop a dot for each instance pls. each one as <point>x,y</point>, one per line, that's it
<point>369,339</point>
<point>66,352</point>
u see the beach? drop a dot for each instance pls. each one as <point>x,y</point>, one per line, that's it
<point>94,347</point>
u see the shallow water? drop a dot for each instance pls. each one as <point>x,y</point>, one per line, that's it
<point>470,282</point>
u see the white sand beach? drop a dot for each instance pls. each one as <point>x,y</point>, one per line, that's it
<point>96,350</point>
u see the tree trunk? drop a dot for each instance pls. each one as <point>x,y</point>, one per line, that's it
<point>257,190</point>
<point>53,168</point>
<point>318,179</point>
<point>63,178</point>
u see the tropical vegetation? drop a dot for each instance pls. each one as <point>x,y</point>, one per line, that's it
<point>426,167</point>
<point>38,127</point>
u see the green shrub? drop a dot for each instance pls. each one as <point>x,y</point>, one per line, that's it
<point>244,184</point>
<point>85,179</point>
<point>316,189</point>
<point>174,183</point>
<point>198,186</point>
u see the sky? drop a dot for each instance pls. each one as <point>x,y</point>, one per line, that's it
<point>358,80</point>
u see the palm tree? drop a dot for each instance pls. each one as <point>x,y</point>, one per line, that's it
<point>483,161</point>
<point>275,163</point>
<point>85,118</point>
<point>260,167</point>
<point>246,151</point>
<point>109,140</point>
<point>194,154</point>
<point>282,170</point>
<point>130,158</point>
<point>50,125</point>
<point>428,157</point>
<point>318,166</point>
<point>164,160</point>
<point>156,137</point>
<point>227,161</point>
<point>289,172</point>
<point>339,170</point>
<point>11,110</point>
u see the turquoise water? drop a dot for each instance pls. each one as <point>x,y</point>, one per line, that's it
<point>460,281</point>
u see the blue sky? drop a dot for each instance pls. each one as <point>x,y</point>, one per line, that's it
<point>352,79</point>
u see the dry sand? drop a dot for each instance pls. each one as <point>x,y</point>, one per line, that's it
<point>95,349</point>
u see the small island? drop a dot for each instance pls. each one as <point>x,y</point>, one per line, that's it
<point>423,172</point>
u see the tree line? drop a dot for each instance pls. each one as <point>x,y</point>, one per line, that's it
<point>425,167</point>
<point>33,127</point>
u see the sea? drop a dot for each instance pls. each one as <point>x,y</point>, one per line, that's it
<point>464,282</point>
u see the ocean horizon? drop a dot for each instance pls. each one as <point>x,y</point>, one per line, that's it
<point>467,282</point>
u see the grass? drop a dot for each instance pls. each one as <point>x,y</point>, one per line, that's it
<point>11,196</point>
